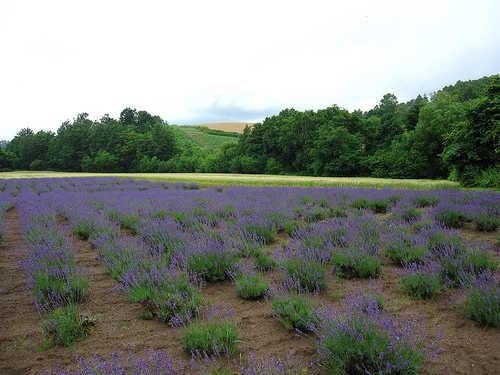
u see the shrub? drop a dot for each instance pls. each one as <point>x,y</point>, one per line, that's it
<point>214,333</point>
<point>486,222</point>
<point>305,275</point>
<point>450,216</point>
<point>425,201</point>
<point>459,269</point>
<point>66,325</point>
<point>265,261</point>
<point>357,263</point>
<point>251,286</point>
<point>54,289</point>
<point>406,212</point>
<point>372,342</point>
<point>212,261</point>
<point>379,206</point>
<point>421,282</point>
<point>173,298</point>
<point>403,247</point>
<point>483,300</point>
<point>295,311</point>
<point>361,299</point>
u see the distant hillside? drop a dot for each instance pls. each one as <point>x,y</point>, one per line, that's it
<point>206,137</point>
<point>237,127</point>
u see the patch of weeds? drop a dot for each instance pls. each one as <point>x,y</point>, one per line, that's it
<point>214,333</point>
<point>336,295</point>
<point>295,311</point>
<point>145,315</point>
<point>66,325</point>
<point>264,261</point>
<point>357,264</point>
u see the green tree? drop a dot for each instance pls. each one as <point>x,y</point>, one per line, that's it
<point>128,118</point>
<point>31,149</point>
<point>8,161</point>
<point>473,145</point>
<point>71,144</point>
<point>104,135</point>
<point>103,162</point>
<point>337,152</point>
<point>417,153</point>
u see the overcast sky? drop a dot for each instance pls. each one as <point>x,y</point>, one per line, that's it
<point>203,61</point>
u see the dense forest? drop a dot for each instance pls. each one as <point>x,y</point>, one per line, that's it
<point>453,133</point>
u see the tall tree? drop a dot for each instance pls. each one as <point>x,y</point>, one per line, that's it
<point>473,145</point>
<point>71,144</point>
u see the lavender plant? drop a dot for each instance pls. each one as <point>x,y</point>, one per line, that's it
<point>358,260</point>
<point>404,247</point>
<point>486,222</point>
<point>450,215</point>
<point>167,292</point>
<point>371,342</point>
<point>362,298</point>
<point>251,285</point>
<point>152,363</point>
<point>304,275</point>
<point>421,282</point>
<point>405,211</point>
<point>482,299</point>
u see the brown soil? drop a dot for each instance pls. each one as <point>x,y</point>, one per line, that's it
<point>237,127</point>
<point>467,347</point>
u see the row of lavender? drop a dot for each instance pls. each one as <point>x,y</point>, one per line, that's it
<point>197,236</point>
<point>50,265</point>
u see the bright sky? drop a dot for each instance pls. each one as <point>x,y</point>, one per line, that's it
<point>203,61</point>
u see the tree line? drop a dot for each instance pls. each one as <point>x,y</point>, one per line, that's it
<point>454,132</point>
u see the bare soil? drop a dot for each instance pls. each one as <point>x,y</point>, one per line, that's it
<point>468,348</point>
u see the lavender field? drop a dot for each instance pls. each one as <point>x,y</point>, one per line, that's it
<point>246,280</point>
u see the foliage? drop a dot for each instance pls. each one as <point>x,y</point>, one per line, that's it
<point>66,325</point>
<point>473,145</point>
<point>295,311</point>
<point>483,300</point>
<point>421,282</point>
<point>251,285</point>
<point>305,275</point>
<point>486,222</point>
<point>214,333</point>
<point>265,261</point>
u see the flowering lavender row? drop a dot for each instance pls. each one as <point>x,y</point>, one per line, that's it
<point>184,236</point>
<point>49,263</point>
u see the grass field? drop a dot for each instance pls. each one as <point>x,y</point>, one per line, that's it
<point>214,179</point>
<point>209,141</point>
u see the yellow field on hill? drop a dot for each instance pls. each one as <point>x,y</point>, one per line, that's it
<point>237,127</point>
